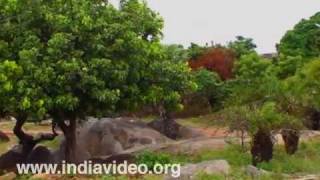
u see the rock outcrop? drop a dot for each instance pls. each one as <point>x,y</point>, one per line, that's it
<point>107,136</point>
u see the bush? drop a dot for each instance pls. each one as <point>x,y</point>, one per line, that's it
<point>151,159</point>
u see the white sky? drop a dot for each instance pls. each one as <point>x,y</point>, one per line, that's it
<point>202,21</point>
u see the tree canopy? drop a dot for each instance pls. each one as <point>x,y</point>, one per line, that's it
<point>303,39</point>
<point>83,58</point>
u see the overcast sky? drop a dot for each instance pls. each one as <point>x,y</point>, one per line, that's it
<point>202,21</point>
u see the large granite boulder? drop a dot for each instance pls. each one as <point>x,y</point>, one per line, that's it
<point>174,130</point>
<point>40,155</point>
<point>107,136</point>
<point>14,156</point>
<point>9,159</point>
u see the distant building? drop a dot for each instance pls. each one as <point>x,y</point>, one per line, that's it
<point>270,55</point>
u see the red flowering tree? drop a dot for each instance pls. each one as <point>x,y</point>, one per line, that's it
<point>219,60</point>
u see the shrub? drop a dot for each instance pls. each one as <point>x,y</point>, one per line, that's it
<point>151,159</point>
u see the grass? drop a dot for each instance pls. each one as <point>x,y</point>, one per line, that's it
<point>8,126</point>
<point>54,144</point>
<point>214,119</point>
<point>305,161</point>
<point>5,146</point>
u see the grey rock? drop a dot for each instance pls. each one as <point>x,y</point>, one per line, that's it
<point>188,133</point>
<point>190,171</point>
<point>40,155</point>
<point>255,172</point>
<point>108,136</point>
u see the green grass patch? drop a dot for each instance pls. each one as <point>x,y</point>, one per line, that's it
<point>5,146</point>
<point>306,160</point>
<point>233,154</point>
<point>214,119</point>
<point>8,126</point>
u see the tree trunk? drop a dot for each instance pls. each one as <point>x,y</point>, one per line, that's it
<point>262,147</point>
<point>27,143</point>
<point>166,125</point>
<point>71,142</point>
<point>291,140</point>
<point>69,132</point>
<point>25,140</point>
<point>315,120</point>
<point>242,136</point>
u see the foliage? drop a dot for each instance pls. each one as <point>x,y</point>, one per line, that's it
<point>209,86</point>
<point>269,117</point>
<point>259,98</point>
<point>307,84</point>
<point>289,65</point>
<point>242,46</point>
<point>195,51</point>
<point>255,81</point>
<point>84,58</point>
<point>219,60</point>
<point>168,81</point>
<point>176,53</point>
<point>303,40</point>
<point>151,159</point>
<point>252,66</point>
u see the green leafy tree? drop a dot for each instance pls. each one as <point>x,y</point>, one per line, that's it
<point>210,86</point>
<point>304,90</point>
<point>169,81</point>
<point>256,84</point>
<point>22,98</point>
<point>81,58</point>
<point>195,51</point>
<point>303,40</point>
<point>287,66</point>
<point>299,45</point>
<point>176,53</point>
<point>242,46</point>
<point>307,82</point>
<point>255,80</point>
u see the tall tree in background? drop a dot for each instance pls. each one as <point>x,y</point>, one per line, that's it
<point>195,51</point>
<point>219,60</point>
<point>242,46</point>
<point>303,40</point>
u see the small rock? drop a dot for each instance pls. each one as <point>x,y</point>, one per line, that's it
<point>189,171</point>
<point>254,171</point>
<point>216,167</point>
<point>9,176</point>
<point>308,177</point>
